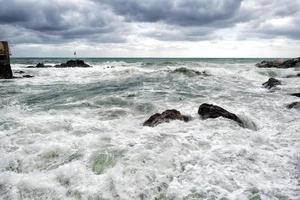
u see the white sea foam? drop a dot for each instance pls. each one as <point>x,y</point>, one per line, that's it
<point>78,134</point>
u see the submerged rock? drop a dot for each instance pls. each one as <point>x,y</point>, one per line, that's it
<point>165,117</point>
<point>40,65</point>
<point>296,94</point>
<point>293,76</point>
<point>27,76</point>
<point>19,72</point>
<point>295,105</point>
<point>272,82</point>
<point>73,63</point>
<point>295,62</point>
<point>189,72</point>
<point>212,111</point>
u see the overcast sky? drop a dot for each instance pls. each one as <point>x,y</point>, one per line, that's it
<point>152,28</point>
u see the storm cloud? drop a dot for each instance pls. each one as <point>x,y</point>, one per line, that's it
<point>176,12</point>
<point>58,21</point>
<point>124,21</point>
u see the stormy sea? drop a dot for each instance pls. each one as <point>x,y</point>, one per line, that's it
<point>77,133</point>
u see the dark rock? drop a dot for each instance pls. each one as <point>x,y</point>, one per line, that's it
<point>272,82</point>
<point>27,76</point>
<point>189,72</point>
<point>19,72</point>
<point>212,111</point>
<point>166,116</point>
<point>73,63</point>
<point>279,63</point>
<point>40,65</point>
<point>295,105</point>
<point>293,76</point>
<point>296,94</point>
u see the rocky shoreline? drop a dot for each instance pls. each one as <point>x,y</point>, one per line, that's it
<point>205,110</point>
<point>7,73</point>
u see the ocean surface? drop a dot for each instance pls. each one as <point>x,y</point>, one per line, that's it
<point>76,133</point>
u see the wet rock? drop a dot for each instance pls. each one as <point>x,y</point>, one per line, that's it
<point>295,105</point>
<point>19,72</point>
<point>165,117</point>
<point>189,72</point>
<point>272,82</point>
<point>212,111</point>
<point>296,94</point>
<point>5,71</point>
<point>27,76</point>
<point>73,63</point>
<point>40,65</point>
<point>294,62</point>
<point>293,76</point>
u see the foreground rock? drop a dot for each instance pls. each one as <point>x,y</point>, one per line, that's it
<point>189,72</point>
<point>295,105</point>
<point>272,82</point>
<point>295,62</point>
<point>212,111</point>
<point>165,117</point>
<point>73,63</point>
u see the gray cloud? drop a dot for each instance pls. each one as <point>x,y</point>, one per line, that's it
<point>114,21</point>
<point>58,21</point>
<point>176,12</point>
<point>272,19</point>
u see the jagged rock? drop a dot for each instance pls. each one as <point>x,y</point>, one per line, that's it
<point>212,111</point>
<point>189,72</point>
<point>295,62</point>
<point>296,94</point>
<point>164,117</point>
<point>272,82</point>
<point>73,63</point>
<point>295,105</point>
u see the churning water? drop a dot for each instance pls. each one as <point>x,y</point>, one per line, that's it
<point>76,133</point>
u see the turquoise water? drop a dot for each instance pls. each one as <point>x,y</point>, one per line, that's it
<point>76,133</point>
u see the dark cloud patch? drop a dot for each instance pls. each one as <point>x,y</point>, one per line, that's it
<point>179,12</point>
<point>177,33</point>
<point>58,21</point>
